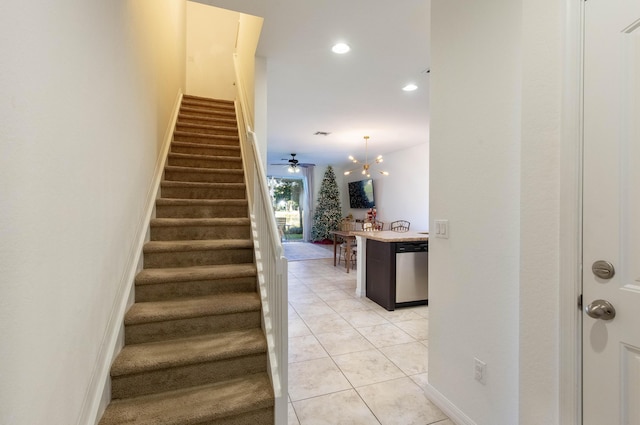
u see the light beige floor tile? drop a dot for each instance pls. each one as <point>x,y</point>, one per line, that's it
<point>420,310</point>
<point>291,415</point>
<point>421,379</point>
<point>363,318</point>
<point>411,358</point>
<point>313,378</point>
<point>347,305</point>
<point>344,408</point>
<point>308,310</point>
<point>419,329</point>
<point>405,405</point>
<point>327,323</point>
<point>343,342</point>
<point>385,335</point>
<point>445,422</point>
<point>336,294</point>
<point>292,313</point>
<point>367,367</point>
<point>306,298</point>
<point>323,287</point>
<point>399,315</point>
<point>297,327</point>
<point>305,348</point>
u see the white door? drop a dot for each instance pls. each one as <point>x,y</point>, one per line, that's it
<point>611,348</point>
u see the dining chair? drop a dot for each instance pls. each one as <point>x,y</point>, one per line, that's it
<point>400,226</point>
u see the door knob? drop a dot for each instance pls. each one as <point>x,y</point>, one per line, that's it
<point>600,309</point>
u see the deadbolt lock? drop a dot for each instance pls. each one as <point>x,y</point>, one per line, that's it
<point>603,269</point>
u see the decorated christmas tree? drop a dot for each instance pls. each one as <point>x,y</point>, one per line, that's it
<point>329,211</point>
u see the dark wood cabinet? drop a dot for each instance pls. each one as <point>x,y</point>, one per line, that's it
<point>381,273</point>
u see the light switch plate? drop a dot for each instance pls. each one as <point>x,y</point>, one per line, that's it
<point>442,229</point>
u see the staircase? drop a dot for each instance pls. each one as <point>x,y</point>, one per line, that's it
<point>195,352</point>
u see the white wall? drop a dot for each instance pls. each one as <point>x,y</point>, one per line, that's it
<point>87,88</point>
<point>495,175</point>
<point>211,41</point>
<point>403,194</point>
<point>475,184</point>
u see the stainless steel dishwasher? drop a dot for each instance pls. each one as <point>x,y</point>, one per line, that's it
<point>412,273</point>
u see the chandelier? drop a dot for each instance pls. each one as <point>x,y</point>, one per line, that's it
<point>366,165</point>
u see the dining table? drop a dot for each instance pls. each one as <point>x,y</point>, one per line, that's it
<point>347,236</point>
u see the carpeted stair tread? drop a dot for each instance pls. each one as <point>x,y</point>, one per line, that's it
<point>185,274</point>
<point>193,99</point>
<point>138,358</point>
<point>190,202</point>
<point>196,245</point>
<point>194,127</point>
<point>209,157</point>
<point>171,183</point>
<point>230,139</point>
<point>193,406</point>
<point>182,117</point>
<point>213,305</point>
<point>207,146</point>
<point>174,222</point>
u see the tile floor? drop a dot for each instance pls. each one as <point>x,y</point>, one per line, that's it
<point>350,360</point>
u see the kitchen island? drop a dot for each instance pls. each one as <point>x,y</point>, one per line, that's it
<point>392,267</point>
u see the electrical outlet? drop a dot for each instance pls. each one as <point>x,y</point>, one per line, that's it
<point>479,370</point>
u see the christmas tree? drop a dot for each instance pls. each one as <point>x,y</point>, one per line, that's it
<point>329,211</point>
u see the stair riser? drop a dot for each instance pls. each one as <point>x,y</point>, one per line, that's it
<point>207,120</point>
<point>213,150</point>
<point>215,131</point>
<point>197,258</point>
<point>173,329</point>
<point>196,288</point>
<point>184,233</point>
<point>186,376</point>
<point>201,211</point>
<point>202,193</point>
<point>220,164</point>
<point>214,140</point>
<point>193,176</point>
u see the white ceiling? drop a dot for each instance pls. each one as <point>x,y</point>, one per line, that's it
<point>310,88</point>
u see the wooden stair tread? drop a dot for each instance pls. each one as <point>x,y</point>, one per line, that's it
<point>193,405</point>
<point>185,308</point>
<point>184,274</point>
<point>138,358</point>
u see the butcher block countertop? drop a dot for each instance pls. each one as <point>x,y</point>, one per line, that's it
<point>390,236</point>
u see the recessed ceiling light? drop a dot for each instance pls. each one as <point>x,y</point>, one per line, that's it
<point>410,87</point>
<point>341,48</point>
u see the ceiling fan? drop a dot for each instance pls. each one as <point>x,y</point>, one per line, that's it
<point>293,165</point>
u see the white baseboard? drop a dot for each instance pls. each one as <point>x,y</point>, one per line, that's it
<point>451,410</point>
<point>98,393</point>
